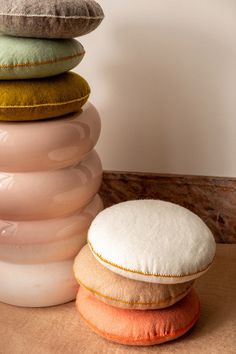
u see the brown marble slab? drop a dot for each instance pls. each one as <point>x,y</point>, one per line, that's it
<point>213,199</point>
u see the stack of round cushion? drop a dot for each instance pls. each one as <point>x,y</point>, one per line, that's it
<point>138,269</point>
<point>50,173</point>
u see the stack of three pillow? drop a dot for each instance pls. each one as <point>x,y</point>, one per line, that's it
<point>138,269</point>
<point>49,172</point>
<point>37,44</point>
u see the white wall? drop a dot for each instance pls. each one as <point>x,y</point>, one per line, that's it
<point>163,76</point>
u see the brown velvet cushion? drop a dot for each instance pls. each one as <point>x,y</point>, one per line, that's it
<point>119,291</point>
<point>50,18</point>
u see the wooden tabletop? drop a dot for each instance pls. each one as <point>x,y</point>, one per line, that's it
<point>59,330</point>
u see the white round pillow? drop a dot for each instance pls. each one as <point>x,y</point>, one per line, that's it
<point>37,285</point>
<point>152,241</point>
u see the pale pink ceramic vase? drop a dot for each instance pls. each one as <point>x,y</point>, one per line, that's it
<point>49,180</point>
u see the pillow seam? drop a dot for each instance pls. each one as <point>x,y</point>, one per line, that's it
<point>46,104</point>
<point>143,273</point>
<point>12,66</point>
<point>130,302</point>
<point>53,16</point>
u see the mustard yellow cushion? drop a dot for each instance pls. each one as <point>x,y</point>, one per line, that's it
<point>24,100</point>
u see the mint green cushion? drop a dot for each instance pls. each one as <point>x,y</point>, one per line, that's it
<point>28,58</point>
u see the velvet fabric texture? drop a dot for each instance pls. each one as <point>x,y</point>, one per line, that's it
<point>24,100</point>
<point>27,58</point>
<point>152,241</point>
<point>119,291</point>
<point>133,327</point>
<point>49,19</point>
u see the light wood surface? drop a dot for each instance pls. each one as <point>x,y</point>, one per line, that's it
<point>59,330</point>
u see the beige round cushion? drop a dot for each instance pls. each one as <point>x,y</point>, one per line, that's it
<point>119,291</point>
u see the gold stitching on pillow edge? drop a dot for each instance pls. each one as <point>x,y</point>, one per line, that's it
<point>53,16</point>
<point>143,273</point>
<point>46,104</point>
<point>53,61</point>
<point>130,302</point>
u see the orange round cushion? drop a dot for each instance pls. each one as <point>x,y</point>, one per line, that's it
<point>135,327</point>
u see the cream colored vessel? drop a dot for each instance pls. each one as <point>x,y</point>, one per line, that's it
<point>50,175</point>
